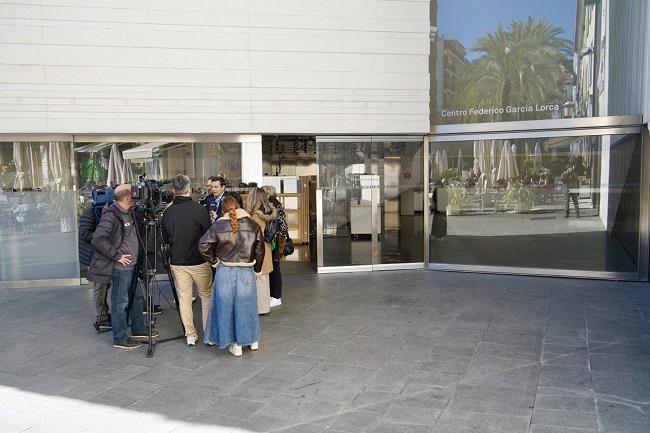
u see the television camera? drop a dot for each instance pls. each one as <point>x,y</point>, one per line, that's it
<point>149,197</point>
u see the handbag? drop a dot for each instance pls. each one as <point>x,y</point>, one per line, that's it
<point>288,247</point>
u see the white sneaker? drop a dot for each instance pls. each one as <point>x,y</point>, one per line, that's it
<point>191,341</point>
<point>275,302</point>
<point>255,345</point>
<point>235,349</point>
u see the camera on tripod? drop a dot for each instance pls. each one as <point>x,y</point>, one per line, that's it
<point>149,196</point>
<point>150,202</point>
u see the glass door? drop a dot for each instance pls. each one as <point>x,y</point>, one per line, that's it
<point>370,196</point>
<point>401,202</point>
<point>347,185</point>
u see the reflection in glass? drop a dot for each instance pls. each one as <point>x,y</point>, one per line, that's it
<point>108,164</point>
<point>105,164</point>
<point>354,176</point>
<point>38,225</point>
<point>556,203</point>
<point>497,60</point>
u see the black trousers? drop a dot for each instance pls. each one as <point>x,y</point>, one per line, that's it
<point>275,280</point>
<point>574,198</point>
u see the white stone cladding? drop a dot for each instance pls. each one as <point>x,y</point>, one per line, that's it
<point>214,66</point>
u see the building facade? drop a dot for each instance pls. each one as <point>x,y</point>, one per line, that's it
<point>431,134</point>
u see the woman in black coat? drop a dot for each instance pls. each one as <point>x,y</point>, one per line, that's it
<point>275,277</point>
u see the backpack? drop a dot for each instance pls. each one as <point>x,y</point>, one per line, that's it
<point>101,198</point>
<point>271,230</point>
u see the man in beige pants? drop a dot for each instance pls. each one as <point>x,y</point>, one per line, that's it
<point>183,224</point>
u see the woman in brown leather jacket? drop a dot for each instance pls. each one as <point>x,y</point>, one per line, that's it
<point>262,213</point>
<point>234,243</point>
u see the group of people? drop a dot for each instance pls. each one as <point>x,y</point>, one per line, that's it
<point>218,245</point>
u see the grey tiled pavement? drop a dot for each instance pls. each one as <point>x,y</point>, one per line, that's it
<point>385,352</point>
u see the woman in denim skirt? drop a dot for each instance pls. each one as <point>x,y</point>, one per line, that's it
<point>235,245</point>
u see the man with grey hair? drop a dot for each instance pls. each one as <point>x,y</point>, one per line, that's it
<point>183,224</point>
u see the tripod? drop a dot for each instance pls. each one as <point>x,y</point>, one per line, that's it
<point>148,275</point>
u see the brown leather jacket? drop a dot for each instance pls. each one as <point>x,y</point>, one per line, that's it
<point>217,245</point>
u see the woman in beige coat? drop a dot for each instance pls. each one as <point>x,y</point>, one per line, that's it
<point>262,212</point>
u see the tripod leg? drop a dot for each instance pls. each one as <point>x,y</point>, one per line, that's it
<point>148,293</point>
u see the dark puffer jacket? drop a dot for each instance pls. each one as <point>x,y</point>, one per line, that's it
<point>87,225</point>
<point>106,240</point>
<point>218,245</point>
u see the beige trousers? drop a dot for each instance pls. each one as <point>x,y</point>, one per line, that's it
<point>263,294</point>
<point>185,276</point>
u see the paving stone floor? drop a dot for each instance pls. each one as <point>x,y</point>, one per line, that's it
<point>385,352</point>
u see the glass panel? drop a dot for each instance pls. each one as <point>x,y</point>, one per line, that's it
<point>494,61</point>
<point>102,164</point>
<point>346,177</point>
<point>38,225</point>
<point>568,203</point>
<point>348,174</point>
<point>401,201</point>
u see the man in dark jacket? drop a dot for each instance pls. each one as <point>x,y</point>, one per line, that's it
<point>117,248</point>
<point>183,224</point>
<point>218,187</point>
<point>87,226</point>
<point>102,197</point>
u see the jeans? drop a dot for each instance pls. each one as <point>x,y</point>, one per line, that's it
<point>120,311</point>
<point>233,313</point>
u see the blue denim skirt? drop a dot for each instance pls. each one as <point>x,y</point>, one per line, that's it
<point>233,313</point>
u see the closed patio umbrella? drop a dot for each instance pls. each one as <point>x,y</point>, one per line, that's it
<point>58,160</point>
<point>34,163</point>
<point>459,165</point>
<point>128,172</point>
<point>493,156</point>
<point>537,156</point>
<point>477,151</point>
<point>438,161</point>
<point>507,165</point>
<point>586,153</point>
<point>115,167</point>
<point>20,183</point>
<point>482,154</point>
<point>73,166</point>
